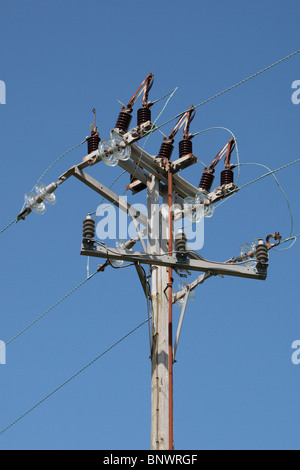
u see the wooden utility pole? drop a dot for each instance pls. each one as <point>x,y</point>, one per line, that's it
<point>161,379</point>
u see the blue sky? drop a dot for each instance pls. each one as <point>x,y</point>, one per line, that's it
<point>235,386</point>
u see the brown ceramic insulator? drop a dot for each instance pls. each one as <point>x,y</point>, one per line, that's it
<point>93,143</point>
<point>206,181</point>
<point>227,177</point>
<point>143,115</point>
<point>123,121</point>
<point>185,147</point>
<point>166,150</point>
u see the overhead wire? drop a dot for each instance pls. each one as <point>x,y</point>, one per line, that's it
<point>292,238</point>
<point>13,423</point>
<point>281,189</point>
<point>41,177</point>
<point>270,172</point>
<point>149,317</point>
<point>231,88</point>
<point>54,163</point>
<point>179,115</point>
<point>49,309</point>
<point>8,225</point>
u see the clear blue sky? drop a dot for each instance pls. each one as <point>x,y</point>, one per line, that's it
<point>234,383</point>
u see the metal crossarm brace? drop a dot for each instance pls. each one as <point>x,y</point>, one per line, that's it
<point>109,195</point>
<point>173,262</point>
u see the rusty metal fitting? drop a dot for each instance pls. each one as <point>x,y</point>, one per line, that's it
<point>276,236</point>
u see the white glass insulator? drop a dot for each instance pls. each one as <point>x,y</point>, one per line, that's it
<point>122,153</point>
<point>41,190</point>
<point>37,207</point>
<point>106,152</point>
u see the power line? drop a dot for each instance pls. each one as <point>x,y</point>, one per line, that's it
<point>49,309</point>
<point>54,163</point>
<point>290,238</point>
<point>230,88</point>
<point>42,176</point>
<point>281,189</point>
<point>74,376</point>
<point>270,172</point>
<point>294,238</point>
<point>7,226</point>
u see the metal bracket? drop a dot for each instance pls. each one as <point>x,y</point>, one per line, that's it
<point>172,262</point>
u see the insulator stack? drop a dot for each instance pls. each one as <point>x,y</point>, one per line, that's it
<point>166,150</point>
<point>89,227</point>
<point>181,244</point>
<point>185,147</point>
<point>262,253</point>
<point>227,177</point>
<point>143,115</point>
<point>93,143</point>
<point>123,121</point>
<point>206,181</point>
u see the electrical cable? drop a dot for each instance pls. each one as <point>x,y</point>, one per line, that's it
<point>163,97</point>
<point>230,88</point>
<point>294,238</point>
<point>7,226</point>
<point>49,310</point>
<point>73,376</point>
<point>54,163</point>
<point>41,177</point>
<point>281,189</point>
<point>162,254</point>
<point>177,116</point>
<point>271,172</point>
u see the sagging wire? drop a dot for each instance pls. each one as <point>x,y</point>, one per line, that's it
<point>103,245</point>
<point>173,252</point>
<point>271,172</point>
<point>293,239</point>
<point>281,189</point>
